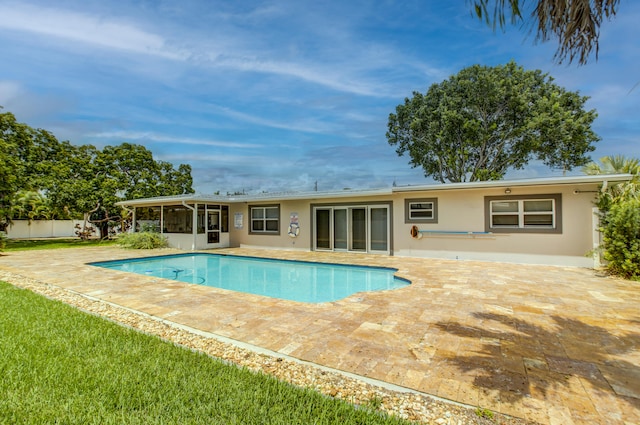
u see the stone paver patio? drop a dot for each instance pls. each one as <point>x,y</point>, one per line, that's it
<point>548,344</point>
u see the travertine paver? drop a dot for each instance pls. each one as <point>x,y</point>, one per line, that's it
<point>549,344</point>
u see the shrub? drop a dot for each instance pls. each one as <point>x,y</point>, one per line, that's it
<point>142,240</point>
<point>621,238</point>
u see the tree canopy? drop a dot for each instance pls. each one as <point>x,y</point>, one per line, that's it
<point>70,180</point>
<point>575,23</point>
<point>616,164</point>
<point>485,121</point>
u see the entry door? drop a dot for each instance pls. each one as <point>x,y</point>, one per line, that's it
<point>213,226</point>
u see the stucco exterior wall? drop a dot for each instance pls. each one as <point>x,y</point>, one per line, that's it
<point>242,237</point>
<point>464,211</point>
<point>458,211</point>
<point>560,230</point>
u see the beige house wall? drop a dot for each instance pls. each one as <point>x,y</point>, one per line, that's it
<point>464,211</point>
<point>458,211</point>
<point>242,238</point>
<point>460,232</point>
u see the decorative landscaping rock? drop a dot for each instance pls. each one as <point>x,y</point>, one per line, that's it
<point>417,407</point>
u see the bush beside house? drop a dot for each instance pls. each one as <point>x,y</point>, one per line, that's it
<point>621,238</point>
<point>142,240</point>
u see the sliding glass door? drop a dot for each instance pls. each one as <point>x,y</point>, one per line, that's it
<point>323,229</point>
<point>340,232</point>
<point>379,228</point>
<point>352,228</point>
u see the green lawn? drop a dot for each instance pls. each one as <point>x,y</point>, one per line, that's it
<point>60,365</point>
<point>28,244</point>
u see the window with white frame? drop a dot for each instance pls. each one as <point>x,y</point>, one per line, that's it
<point>524,214</point>
<point>421,210</point>
<point>265,219</point>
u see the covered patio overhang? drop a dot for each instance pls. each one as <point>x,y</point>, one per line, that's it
<point>189,222</point>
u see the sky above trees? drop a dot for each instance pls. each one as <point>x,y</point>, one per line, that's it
<point>273,96</point>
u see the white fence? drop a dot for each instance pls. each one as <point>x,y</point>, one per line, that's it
<point>23,229</point>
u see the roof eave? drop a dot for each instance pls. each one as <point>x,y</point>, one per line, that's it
<point>546,181</point>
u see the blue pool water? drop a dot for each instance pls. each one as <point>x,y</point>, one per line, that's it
<point>292,280</point>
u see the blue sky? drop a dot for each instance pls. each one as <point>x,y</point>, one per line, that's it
<point>277,95</point>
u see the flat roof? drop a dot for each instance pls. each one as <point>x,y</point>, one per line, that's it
<point>543,181</point>
<point>350,193</point>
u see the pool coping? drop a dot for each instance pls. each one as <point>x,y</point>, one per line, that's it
<point>392,270</point>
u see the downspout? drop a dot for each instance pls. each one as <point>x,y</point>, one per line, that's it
<point>597,236</point>
<point>194,225</point>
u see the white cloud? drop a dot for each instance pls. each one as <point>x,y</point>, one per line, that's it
<point>305,125</point>
<point>84,28</point>
<point>313,74</point>
<point>163,138</point>
<point>199,158</point>
<point>235,49</point>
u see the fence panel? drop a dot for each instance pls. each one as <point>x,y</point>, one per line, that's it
<point>23,229</point>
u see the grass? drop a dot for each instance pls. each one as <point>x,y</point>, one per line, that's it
<point>60,365</point>
<point>482,412</point>
<point>56,243</point>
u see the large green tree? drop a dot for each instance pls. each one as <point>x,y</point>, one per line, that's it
<point>485,121</point>
<point>71,179</point>
<point>72,186</point>
<point>24,153</point>
<point>8,164</point>
<point>128,171</point>
<point>574,23</point>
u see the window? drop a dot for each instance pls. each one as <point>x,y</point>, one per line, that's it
<point>224,219</point>
<point>524,214</point>
<point>265,219</point>
<point>148,219</point>
<point>421,210</point>
<point>201,218</point>
<point>178,219</point>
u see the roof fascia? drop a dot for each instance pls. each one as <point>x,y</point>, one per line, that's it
<point>605,179</point>
<point>554,181</point>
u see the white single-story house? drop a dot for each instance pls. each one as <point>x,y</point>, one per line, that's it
<point>550,221</point>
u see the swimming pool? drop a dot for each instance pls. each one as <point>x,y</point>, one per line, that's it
<point>286,279</point>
